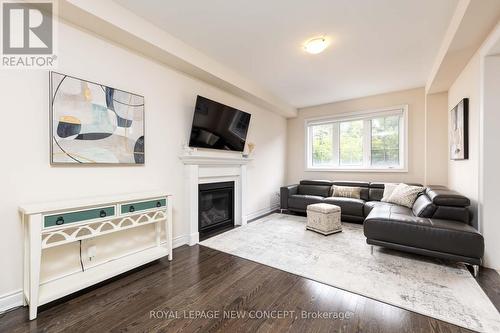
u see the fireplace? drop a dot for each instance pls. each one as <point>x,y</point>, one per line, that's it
<point>215,208</point>
<point>201,167</point>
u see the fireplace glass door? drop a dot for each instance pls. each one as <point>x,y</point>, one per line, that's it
<point>216,206</point>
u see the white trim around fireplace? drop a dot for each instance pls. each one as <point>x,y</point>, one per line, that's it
<point>202,168</point>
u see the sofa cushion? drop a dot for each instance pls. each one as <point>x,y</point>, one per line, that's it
<point>346,192</point>
<point>369,205</point>
<point>388,190</point>
<point>348,206</point>
<point>398,225</point>
<point>300,202</point>
<point>365,187</point>
<point>377,191</point>
<point>405,195</point>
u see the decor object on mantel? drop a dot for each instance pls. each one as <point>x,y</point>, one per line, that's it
<point>94,124</point>
<point>48,225</point>
<point>249,150</point>
<point>459,131</point>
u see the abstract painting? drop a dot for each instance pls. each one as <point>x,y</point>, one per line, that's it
<point>459,131</point>
<point>94,124</point>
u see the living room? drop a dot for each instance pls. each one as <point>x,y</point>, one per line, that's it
<point>350,144</point>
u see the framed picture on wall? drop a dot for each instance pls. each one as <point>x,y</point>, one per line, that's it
<point>459,131</point>
<point>94,124</point>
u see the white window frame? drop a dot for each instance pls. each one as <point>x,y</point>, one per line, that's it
<point>366,116</point>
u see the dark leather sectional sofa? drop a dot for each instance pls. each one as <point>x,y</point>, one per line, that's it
<point>438,225</point>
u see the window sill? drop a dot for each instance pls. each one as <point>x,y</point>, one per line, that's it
<point>398,170</point>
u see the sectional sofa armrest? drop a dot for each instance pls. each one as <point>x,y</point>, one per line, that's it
<point>285,192</point>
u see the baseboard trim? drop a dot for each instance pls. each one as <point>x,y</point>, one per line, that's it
<point>261,212</point>
<point>10,301</point>
<point>180,240</point>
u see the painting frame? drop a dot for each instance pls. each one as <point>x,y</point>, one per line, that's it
<point>459,131</point>
<point>90,164</point>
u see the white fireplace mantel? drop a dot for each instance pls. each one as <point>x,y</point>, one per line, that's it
<point>203,168</point>
<point>214,160</point>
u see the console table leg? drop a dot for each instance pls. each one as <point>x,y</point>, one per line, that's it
<point>168,229</point>
<point>26,261</point>
<point>35,234</point>
<point>371,249</point>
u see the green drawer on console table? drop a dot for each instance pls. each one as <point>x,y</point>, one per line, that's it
<point>143,205</point>
<point>81,216</point>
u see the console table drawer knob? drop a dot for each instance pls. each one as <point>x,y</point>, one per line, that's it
<point>102,213</point>
<point>158,204</point>
<point>131,209</point>
<point>60,220</point>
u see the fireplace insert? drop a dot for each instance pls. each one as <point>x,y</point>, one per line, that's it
<point>215,208</point>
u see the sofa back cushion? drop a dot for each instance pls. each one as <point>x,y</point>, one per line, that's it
<point>315,187</point>
<point>461,214</point>
<point>316,182</point>
<point>442,196</point>
<point>323,191</point>
<point>449,204</point>
<point>376,194</point>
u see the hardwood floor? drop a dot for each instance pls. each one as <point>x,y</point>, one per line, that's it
<point>202,279</point>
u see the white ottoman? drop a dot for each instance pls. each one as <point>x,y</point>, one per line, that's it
<point>323,218</point>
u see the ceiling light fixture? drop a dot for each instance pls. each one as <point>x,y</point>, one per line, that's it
<point>316,45</point>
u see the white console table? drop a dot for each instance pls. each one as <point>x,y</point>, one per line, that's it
<point>47,225</point>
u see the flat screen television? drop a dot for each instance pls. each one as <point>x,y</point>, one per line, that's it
<point>218,126</point>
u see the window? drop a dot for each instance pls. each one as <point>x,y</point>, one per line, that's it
<point>374,140</point>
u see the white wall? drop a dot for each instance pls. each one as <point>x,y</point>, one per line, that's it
<point>26,175</point>
<point>436,139</point>
<point>415,98</point>
<point>463,175</point>
<point>490,165</point>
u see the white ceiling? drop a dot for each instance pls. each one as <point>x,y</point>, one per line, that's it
<point>377,45</point>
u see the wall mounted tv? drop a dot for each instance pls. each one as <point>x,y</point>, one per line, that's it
<point>218,126</point>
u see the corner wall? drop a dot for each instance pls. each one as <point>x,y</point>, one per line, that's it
<point>436,139</point>
<point>415,98</point>
<point>489,195</point>
<point>463,175</point>
<point>26,175</point>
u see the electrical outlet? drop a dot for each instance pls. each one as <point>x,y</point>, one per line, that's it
<point>91,249</point>
<point>91,252</point>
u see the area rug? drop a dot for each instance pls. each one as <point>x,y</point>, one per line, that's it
<point>435,288</point>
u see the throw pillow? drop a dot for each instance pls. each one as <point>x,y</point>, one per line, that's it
<point>346,192</point>
<point>388,189</point>
<point>405,195</point>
